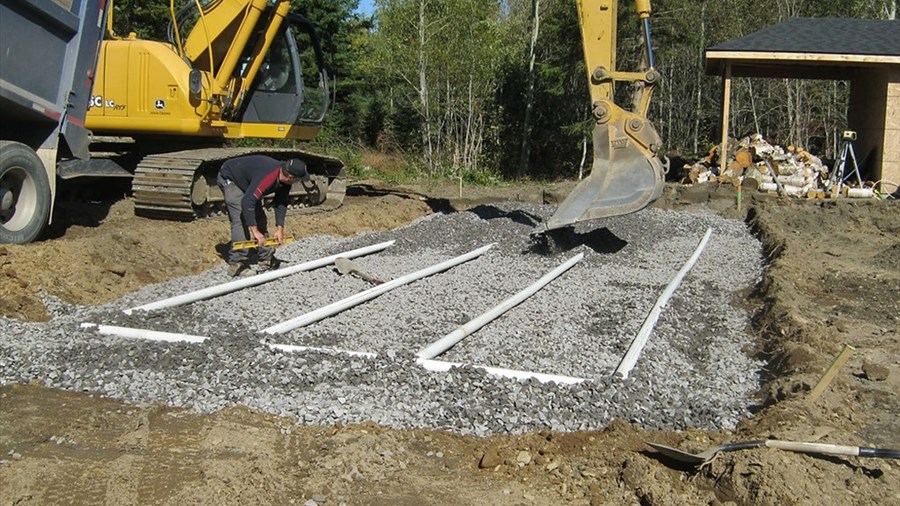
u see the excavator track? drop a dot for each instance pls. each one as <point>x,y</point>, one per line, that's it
<point>181,185</point>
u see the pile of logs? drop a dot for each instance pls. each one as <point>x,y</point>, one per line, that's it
<point>757,165</point>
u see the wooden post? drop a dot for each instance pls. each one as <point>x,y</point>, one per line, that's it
<point>831,372</point>
<point>726,110</point>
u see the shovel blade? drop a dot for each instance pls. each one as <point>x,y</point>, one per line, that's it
<point>681,456</point>
<point>624,179</point>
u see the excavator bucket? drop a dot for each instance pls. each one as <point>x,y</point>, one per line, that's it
<point>624,179</point>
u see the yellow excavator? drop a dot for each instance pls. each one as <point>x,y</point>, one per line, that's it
<point>232,69</point>
<point>627,173</point>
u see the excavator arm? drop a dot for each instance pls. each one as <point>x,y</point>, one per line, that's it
<point>626,174</point>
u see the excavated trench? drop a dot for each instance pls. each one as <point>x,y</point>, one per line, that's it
<point>693,372</point>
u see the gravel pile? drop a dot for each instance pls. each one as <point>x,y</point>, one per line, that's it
<point>692,373</point>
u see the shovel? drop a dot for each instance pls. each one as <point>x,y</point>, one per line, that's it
<point>700,459</point>
<point>346,266</point>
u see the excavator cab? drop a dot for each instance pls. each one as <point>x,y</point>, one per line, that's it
<point>246,59</point>
<point>627,174</point>
<point>282,92</point>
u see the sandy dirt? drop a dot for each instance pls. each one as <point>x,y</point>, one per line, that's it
<point>833,279</point>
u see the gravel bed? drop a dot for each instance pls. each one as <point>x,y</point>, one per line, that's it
<point>692,373</point>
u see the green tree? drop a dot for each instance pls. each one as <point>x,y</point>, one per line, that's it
<point>344,37</point>
<point>438,59</point>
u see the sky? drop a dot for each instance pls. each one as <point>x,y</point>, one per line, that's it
<point>366,7</point>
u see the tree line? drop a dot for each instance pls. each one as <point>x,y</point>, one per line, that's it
<point>484,88</point>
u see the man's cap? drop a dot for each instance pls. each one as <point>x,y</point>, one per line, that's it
<point>297,168</point>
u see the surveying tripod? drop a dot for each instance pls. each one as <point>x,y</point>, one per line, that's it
<point>840,175</point>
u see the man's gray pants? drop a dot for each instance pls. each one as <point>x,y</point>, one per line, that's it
<point>239,232</point>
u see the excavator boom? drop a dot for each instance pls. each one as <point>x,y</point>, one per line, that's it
<point>626,173</point>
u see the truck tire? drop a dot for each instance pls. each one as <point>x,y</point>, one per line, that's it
<point>24,194</point>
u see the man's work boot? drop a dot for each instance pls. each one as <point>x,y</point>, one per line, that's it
<point>268,264</point>
<point>239,270</point>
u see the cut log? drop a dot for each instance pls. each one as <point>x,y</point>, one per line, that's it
<point>743,158</point>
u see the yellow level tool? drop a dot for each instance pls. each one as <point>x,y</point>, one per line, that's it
<point>253,244</point>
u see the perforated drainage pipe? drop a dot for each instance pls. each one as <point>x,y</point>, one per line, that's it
<point>441,366</point>
<point>290,348</point>
<point>446,342</point>
<point>634,351</point>
<point>152,335</point>
<point>258,279</point>
<point>371,293</point>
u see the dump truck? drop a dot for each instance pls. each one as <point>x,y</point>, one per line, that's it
<point>48,55</point>
<point>165,114</point>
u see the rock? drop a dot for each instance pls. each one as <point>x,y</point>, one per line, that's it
<point>875,372</point>
<point>117,269</point>
<point>553,197</point>
<point>523,458</point>
<point>490,459</point>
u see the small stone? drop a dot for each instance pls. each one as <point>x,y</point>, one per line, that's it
<point>553,465</point>
<point>490,459</point>
<point>875,372</point>
<point>523,458</point>
<point>117,269</point>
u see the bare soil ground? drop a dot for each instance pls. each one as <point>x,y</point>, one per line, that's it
<point>833,279</point>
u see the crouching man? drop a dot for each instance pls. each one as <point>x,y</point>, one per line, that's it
<point>244,181</point>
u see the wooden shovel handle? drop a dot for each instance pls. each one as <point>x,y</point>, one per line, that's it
<point>832,449</point>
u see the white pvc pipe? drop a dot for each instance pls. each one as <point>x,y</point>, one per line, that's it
<point>634,351</point>
<point>441,366</point>
<point>152,335</point>
<point>371,293</point>
<point>470,327</point>
<point>258,279</point>
<point>291,348</point>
